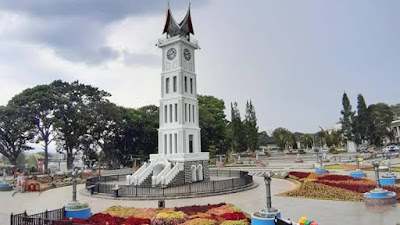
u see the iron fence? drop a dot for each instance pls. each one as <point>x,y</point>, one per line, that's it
<point>44,218</point>
<point>238,180</point>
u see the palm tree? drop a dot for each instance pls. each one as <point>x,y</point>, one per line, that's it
<point>307,140</point>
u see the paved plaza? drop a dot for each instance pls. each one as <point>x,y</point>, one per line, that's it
<point>325,212</point>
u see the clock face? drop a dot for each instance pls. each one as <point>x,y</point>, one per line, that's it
<point>171,53</point>
<point>187,54</point>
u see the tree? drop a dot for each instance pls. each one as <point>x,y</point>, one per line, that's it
<point>307,140</point>
<point>380,117</point>
<point>39,104</point>
<point>362,121</point>
<point>396,111</point>
<point>347,118</point>
<point>238,141</point>
<point>283,137</point>
<point>149,123</point>
<point>250,125</point>
<point>76,115</point>
<point>212,121</point>
<point>16,132</point>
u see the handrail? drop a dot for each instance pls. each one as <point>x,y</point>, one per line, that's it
<point>140,170</point>
<point>142,176</point>
<point>160,177</point>
<point>171,174</point>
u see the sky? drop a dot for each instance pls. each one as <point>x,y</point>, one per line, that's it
<point>293,59</point>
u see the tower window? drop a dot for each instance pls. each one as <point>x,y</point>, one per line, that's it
<point>174,83</point>
<point>185,84</point>
<point>193,112</point>
<point>190,143</point>
<point>165,144</point>
<point>176,142</point>
<point>167,85</point>
<point>191,86</point>
<point>189,114</point>
<point>170,113</point>
<point>176,112</point>
<point>165,114</point>
<point>185,112</point>
<point>170,143</point>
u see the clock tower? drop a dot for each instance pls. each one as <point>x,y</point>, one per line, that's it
<point>179,159</point>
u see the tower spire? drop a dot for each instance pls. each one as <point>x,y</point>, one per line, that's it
<point>183,29</point>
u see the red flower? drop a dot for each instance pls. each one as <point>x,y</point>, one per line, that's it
<point>194,209</point>
<point>299,175</point>
<point>234,216</point>
<point>136,221</point>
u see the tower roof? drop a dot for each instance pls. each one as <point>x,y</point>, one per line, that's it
<point>184,28</point>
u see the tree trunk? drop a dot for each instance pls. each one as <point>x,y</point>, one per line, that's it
<point>46,156</point>
<point>70,159</point>
<point>13,161</point>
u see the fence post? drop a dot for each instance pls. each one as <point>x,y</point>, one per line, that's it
<point>136,190</point>
<point>213,184</point>
<point>46,214</point>
<point>12,219</point>
<point>233,184</point>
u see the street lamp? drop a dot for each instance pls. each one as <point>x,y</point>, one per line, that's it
<point>267,180</point>
<point>376,168</point>
<point>74,183</point>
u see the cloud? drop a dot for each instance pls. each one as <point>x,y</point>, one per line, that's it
<point>74,29</point>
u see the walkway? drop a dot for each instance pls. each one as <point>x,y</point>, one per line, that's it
<point>325,212</point>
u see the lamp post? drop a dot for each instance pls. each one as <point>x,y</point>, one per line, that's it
<point>388,156</point>
<point>357,162</point>
<point>267,180</point>
<point>376,168</point>
<point>74,182</point>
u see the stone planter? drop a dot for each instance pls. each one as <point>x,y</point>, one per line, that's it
<point>389,179</point>
<point>79,213</point>
<point>379,197</point>
<point>264,218</point>
<point>6,187</point>
<point>320,171</point>
<point>357,174</point>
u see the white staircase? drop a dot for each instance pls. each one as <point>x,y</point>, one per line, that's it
<point>159,179</point>
<point>173,172</point>
<point>141,174</point>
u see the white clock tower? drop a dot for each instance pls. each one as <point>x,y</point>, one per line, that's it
<point>179,159</point>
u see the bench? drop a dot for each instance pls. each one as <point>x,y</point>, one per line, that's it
<point>115,191</point>
<point>91,188</point>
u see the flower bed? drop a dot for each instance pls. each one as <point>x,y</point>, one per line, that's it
<point>191,215</point>
<point>299,175</point>
<point>334,187</point>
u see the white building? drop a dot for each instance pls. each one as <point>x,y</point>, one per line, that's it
<point>395,128</point>
<point>179,159</point>
<point>336,127</point>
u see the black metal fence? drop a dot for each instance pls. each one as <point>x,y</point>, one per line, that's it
<point>44,218</point>
<point>241,180</point>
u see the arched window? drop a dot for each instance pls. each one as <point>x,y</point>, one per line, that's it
<point>194,175</point>
<point>200,172</point>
